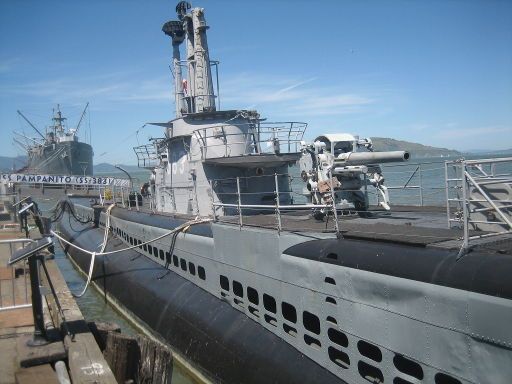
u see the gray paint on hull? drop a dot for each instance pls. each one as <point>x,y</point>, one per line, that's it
<point>208,331</point>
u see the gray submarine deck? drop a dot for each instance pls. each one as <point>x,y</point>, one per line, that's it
<point>411,225</point>
<point>421,226</point>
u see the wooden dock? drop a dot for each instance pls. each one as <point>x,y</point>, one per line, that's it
<point>68,349</point>
<point>71,353</point>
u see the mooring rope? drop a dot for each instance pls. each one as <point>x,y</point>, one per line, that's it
<point>182,228</point>
<point>93,254</point>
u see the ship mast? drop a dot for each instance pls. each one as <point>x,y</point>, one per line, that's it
<point>196,94</point>
<point>58,120</point>
<point>175,30</point>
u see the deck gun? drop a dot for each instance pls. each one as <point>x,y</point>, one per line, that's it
<point>341,166</point>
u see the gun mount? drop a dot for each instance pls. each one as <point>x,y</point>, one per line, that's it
<point>338,166</point>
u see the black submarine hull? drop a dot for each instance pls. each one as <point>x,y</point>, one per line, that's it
<point>222,342</point>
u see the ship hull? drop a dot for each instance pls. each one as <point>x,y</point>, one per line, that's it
<point>64,158</point>
<point>217,339</point>
<point>306,308</point>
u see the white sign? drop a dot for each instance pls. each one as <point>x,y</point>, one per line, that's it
<point>63,179</point>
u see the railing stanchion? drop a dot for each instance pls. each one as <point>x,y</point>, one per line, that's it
<point>278,211</point>
<point>447,192</point>
<point>465,207</point>
<point>122,197</point>
<point>365,183</point>
<point>13,276</point>
<point>214,212</point>
<point>240,223</point>
<point>421,185</point>
<point>334,210</point>
<point>25,263</point>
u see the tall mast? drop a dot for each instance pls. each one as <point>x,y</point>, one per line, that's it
<point>199,85</point>
<point>174,29</point>
<point>58,120</point>
<point>203,85</point>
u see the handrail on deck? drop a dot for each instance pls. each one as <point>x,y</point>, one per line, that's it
<point>260,138</point>
<point>475,202</point>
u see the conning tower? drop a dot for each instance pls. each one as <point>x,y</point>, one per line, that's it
<point>208,154</point>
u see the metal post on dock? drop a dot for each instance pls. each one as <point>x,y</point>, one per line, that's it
<point>278,211</point>
<point>37,301</point>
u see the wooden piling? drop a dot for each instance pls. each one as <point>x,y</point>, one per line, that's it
<point>138,359</point>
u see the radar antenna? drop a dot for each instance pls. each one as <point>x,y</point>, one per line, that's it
<point>181,9</point>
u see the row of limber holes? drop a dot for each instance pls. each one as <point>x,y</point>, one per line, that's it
<point>373,352</point>
<point>311,323</point>
<point>165,256</point>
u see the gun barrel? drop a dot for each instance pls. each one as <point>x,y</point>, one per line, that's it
<point>364,158</point>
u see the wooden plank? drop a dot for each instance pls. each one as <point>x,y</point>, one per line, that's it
<point>6,273</point>
<point>85,360</point>
<point>29,356</point>
<point>41,374</point>
<point>15,318</point>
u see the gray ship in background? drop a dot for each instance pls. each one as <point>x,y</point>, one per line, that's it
<point>58,151</point>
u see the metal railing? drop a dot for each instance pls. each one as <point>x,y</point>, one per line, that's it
<point>479,196</point>
<point>406,180</point>
<point>148,155</point>
<point>417,184</point>
<point>261,138</point>
<point>15,292</point>
<point>281,205</point>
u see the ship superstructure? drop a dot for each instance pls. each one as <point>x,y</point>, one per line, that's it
<point>59,151</point>
<point>253,282</point>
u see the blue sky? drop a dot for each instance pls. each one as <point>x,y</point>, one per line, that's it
<point>434,72</point>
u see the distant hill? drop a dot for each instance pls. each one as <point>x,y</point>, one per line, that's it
<point>416,150</point>
<point>109,168</point>
<point>8,163</point>
<point>490,151</point>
